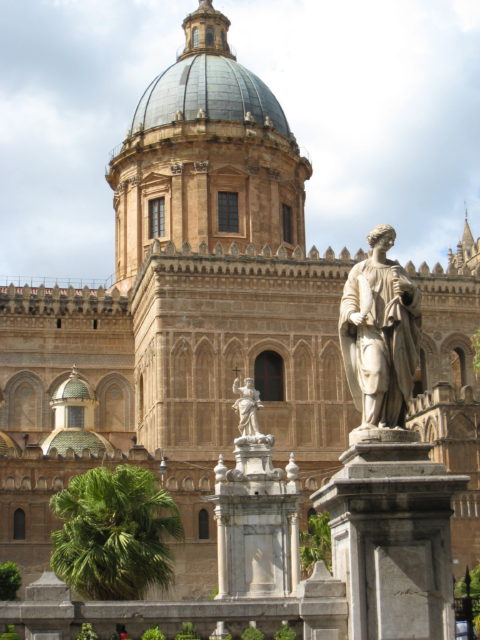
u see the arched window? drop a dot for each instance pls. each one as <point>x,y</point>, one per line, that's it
<point>269,376</point>
<point>203,525</point>
<point>195,37</point>
<point>19,524</point>
<point>209,39</point>
<point>224,42</point>
<point>457,365</point>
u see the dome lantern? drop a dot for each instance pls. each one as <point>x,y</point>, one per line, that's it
<point>206,32</point>
<point>73,403</point>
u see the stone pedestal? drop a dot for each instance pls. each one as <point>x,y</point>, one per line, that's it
<point>39,596</point>
<point>390,512</point>
<point>257,518</point>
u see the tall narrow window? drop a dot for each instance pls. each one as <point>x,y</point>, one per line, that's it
<point>287,223</point>
<point>156,217</point>
<point>228,211</point>
<point>210,37</point>
<point>269,376</point>
<point>195,37</point>
<point>19,524</point>
<point>457,364</point>
<point>420,384</point>
<point>224,42</point>
<point>141,408</point>
<point>76,417</point>
<point>203,525</point>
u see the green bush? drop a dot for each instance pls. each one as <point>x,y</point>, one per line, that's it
<point>10,633</point>
<point>252,633</point>
<point>87,632</point>
<point>10,581</point>
<point>285,633</point>
<point>153,633</point>
<point>187,632</point>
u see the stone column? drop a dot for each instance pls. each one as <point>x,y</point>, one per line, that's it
<point>222,556</point>
<point>390,518</point>
<point>294,551</point>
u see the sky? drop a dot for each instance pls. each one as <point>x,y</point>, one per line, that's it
<point>383,97</point>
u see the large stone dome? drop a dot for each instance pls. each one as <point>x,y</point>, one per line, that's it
<point>218,85</point>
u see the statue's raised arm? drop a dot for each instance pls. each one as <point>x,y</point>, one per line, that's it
<point>379,329</point>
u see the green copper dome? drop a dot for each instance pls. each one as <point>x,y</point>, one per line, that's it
<point>76,439</point>
<point>215,84</point>
<point>74,388</point>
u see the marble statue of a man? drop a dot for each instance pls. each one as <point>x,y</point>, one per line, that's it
<point>379,334</point>
<point>247,406</point>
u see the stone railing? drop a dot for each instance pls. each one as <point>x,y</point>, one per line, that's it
<point>319,611</point>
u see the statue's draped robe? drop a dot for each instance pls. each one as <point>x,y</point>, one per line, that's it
<point>247,407</point>
<point>381,356</point>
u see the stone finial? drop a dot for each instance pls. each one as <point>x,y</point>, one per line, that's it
<point>292,469</point>
<point>205,4</point>
<point>220,470</point>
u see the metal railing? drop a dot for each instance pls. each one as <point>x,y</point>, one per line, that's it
<point>49,282</point>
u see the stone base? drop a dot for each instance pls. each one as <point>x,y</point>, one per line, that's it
<point>379,434</point>
<point>390,518</point>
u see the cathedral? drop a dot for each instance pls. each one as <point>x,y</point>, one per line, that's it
<point>214,280</point>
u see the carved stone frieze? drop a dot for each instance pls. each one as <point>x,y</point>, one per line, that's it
<point>176,168</point>
<point>201,167</point>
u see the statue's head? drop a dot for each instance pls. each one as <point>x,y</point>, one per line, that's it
<point>379,232</point>
<point>249,382</point>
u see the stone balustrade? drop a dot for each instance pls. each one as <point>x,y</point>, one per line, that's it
<point>48,613</point>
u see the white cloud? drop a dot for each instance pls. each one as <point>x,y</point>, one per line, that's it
<point>384,95</point>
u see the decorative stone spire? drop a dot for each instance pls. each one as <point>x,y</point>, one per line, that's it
<point>206,32</point>
<point>468,240</point>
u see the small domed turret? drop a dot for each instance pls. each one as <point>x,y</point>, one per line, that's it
<point>74,403</point>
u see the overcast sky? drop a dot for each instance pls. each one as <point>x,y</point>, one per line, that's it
<point>383,95</point>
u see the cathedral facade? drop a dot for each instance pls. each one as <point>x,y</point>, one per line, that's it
<point>214,280</point>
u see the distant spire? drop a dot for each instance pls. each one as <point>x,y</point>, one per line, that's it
<point>468,240</point>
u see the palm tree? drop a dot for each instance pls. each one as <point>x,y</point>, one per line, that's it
<point>316,543</point>
<point>111,545</point>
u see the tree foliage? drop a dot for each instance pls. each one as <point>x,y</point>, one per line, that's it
<point>111,546</point>
<point>316,542</point>
<point>476,346</point>
<point>10,581</point>
<point>461,587</point>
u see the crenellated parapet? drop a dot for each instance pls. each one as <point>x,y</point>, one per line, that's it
<point>281,261</point>
<point>450,421</point>
<point>57,301</point>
